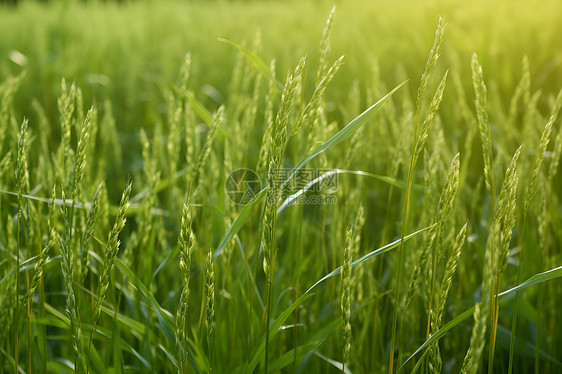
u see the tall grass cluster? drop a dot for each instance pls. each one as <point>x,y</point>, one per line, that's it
<point>122,248</point>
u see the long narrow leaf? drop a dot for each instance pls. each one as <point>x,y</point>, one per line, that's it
<point>27,265</point>
<point>289,356</point>
<point>338,365</point>
<point>199,108</point>
<point>535,279</point>
<point>95,359</point>
<point>274,329</point>
<point>294,197</point>
<point>368,256</point>
<point>313,343</point>
<point>163,318</point>
<point>344,133</point>
<point>239,222</point>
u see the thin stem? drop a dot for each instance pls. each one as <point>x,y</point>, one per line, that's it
<point>495,286</point>
<point>434,270</point>
<point>494,313</point>
<point>514,318</point>
<point>401,255</point>
<point>17,287</point>
<point>297,289</point>
<point>271,259</point>
<point>267,316</point>
<point>29,332</point>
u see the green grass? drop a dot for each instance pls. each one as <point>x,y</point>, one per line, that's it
<point>121,250</point>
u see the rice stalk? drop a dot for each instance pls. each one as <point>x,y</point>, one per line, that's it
<point>110,253</point>
<point>91,219</point>
<point>325,46</point>
<point>483,124</point>
<point>494,264</point>
<point>53,238</point>
<point>357,277</point>
<point>81,155</point>
<point>190,120</point>
<point>545,139</point>
<point>185,70</point>
<point>140,238</point>
<point>66,105</point>
<point>92,146</point>
<point>435,362</point>
<point>269,123</point>
<point>317,96</point>
<point>22,168</point>
<point>185,242</point>
<point>218,119</point>
<point>433,108</point>
<point>436,231</point>
<point>399,153</point>
<point>174,136</point>
<point>210,296</point>
<point>445,207</point>
<point>278,140</point>
<point>477,339</point>
<point>431,181</point>
<point>76,178</point>
<point>318,130</point>
<point>67,267</point>
<point>346,298</point>
<point>22,180</point>
<point>557,150</point>
<point>324,74</point>
<point>432,59</point>
<point>508,215</point>
<point>450,269</point>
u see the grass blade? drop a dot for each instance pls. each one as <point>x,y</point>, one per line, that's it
<point>274,329</point>
<point>163,316</point>
<point>239,222</point>
<point>535,279</point>
<point>294,197</point>
<point>368,256</point>
<point>344,133</point>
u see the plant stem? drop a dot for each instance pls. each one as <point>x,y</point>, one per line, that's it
<point>267,316</point>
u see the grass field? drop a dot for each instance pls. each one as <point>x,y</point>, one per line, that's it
<point>203,187</point>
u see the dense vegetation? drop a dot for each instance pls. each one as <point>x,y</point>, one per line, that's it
<point>425,163</point>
